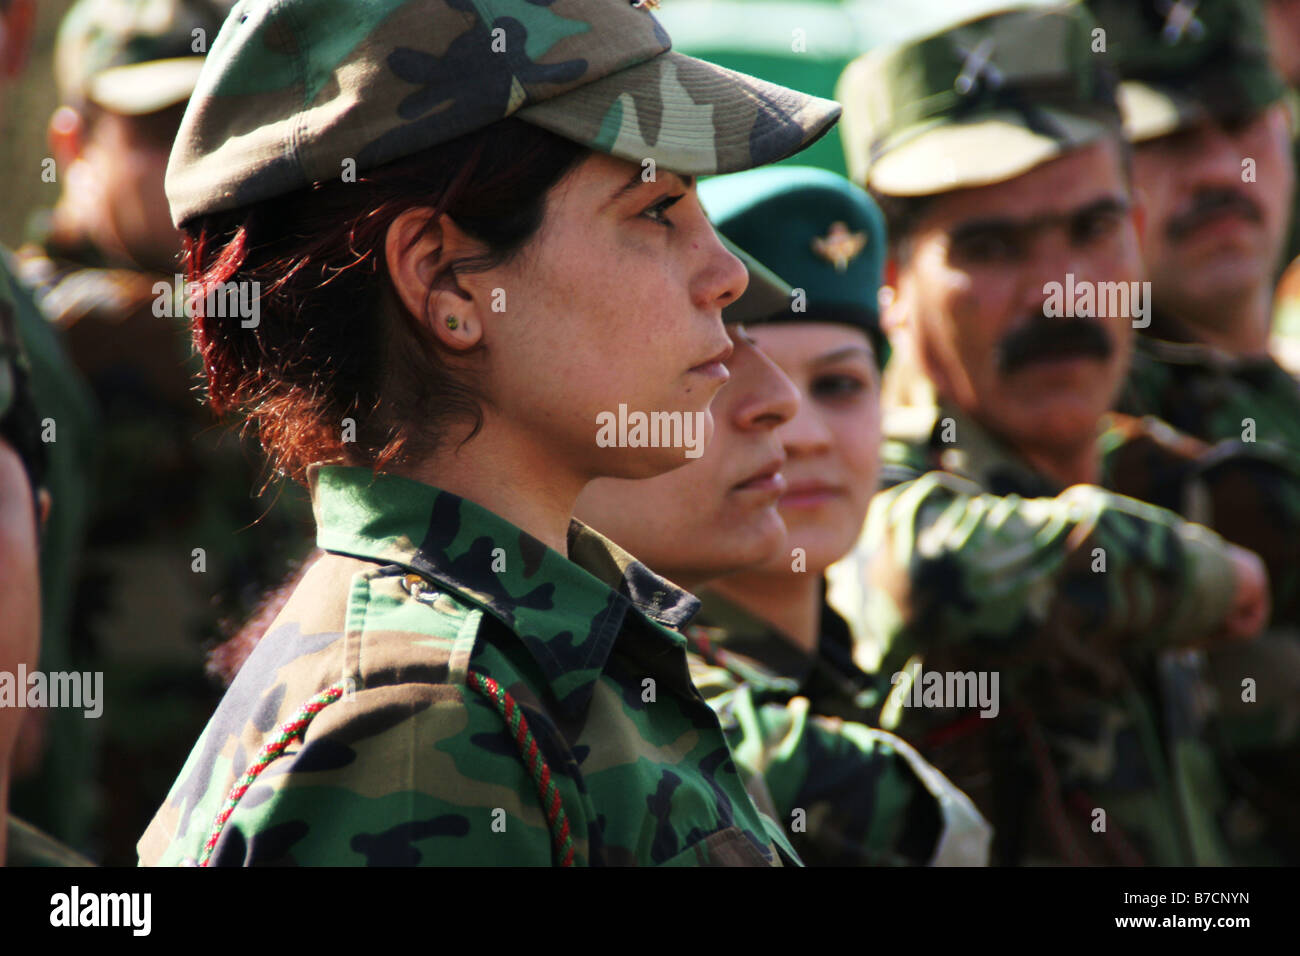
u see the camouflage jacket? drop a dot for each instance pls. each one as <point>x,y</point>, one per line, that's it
<point>849,794</point>
<point>371,725</point>
<point>1247,486</point>
<point>179,545</point>
<point>1210,394</point>
<point>1071,605</point>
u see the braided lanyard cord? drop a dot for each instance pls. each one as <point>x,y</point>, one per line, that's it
<point>534,762</point>
<point>288,732</point>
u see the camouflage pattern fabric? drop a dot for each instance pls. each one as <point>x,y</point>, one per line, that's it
<point>1211,395</point>
<point>167,480</point>
<point>851,795</point>
<point>830,679</point>
<point>28,846</point>
<point>1181,62</point>
<point>293,89</point>
<point>134,56</point>
<point>1253,488</point>
<point>419,588</point>
<point>972,562</point>
<point>980,102</point>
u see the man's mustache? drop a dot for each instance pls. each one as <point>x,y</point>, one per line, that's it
<point>1206,205</point>
<point>1043,339</point>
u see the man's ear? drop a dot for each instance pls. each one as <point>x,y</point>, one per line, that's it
<point>891,312</point>
<point>66,135</point>
<point>19,23</point>
<point>43,506</point>
<point>420,254</point>
<point>1138,211</point>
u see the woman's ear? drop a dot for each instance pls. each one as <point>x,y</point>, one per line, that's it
<point>419,254</point>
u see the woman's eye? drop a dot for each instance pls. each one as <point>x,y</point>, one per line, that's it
<point>656,212</point>
<point>837,386</point>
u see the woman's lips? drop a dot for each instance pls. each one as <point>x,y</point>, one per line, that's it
<point>716,367</point>
<point>713,370</point>
<point>807,496</point>
<point>767,481</point>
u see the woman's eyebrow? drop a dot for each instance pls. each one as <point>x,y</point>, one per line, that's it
<point>847,352</point>
<point>636,180</point>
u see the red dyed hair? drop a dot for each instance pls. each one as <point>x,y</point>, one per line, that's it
<point>334,341</point>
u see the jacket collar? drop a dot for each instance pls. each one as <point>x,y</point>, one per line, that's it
<point>566,611</point>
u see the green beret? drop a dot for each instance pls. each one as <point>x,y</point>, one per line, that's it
<point>817,231</point>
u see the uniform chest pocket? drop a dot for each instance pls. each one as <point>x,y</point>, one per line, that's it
<point>728,847</point>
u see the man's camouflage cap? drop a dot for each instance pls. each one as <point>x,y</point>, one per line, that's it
<point>980,103</point>
<point>1180,63</point>
<point>814,229</point>
<point>294,88</point>
<point>134,56</point>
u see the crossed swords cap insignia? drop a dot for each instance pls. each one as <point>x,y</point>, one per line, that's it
<point>1180,20</point>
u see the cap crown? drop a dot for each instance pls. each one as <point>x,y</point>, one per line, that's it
<point>1025,66</point>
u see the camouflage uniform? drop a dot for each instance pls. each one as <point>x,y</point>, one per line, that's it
<point>167,479</point>
<point>1081,601</point>
<point>431,629</point>
<point>421,595</point>
<point>971,560</point>
<point>859,795</point>
<point>1218,67</point>
<point>850,794</point>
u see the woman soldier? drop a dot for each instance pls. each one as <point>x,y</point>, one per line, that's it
<point>468,238</point>
<point>849,794</point>
<point>827,238</point>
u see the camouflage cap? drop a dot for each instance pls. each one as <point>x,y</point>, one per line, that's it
<point>293,88</point>
<point>980,103</point>
<point>823,234</point>
<point>134,56</point>
<point>1180,62</point>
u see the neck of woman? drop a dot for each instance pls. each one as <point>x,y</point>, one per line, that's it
<point>511,475</point>
<point>790,602</point>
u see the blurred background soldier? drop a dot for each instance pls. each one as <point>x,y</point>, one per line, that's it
<point>1212,162</point>
<point>995,151</point>
<point>180,545</point>
<point>62,795</point>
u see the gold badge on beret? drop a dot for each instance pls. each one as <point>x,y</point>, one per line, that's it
<point>839,246</point>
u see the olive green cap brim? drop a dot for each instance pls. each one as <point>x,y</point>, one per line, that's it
<point>1152,110</point>
<point>292,90</point>
<point>143,88</point>
<point>710,119</point>
<point>996,147</point>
